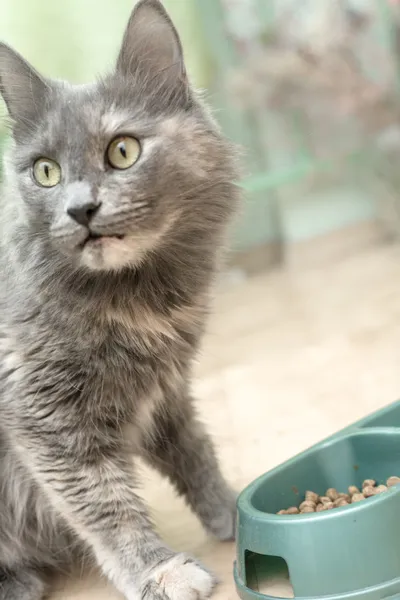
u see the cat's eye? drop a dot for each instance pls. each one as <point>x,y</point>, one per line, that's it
<point>123,152</point>
<point>47,172</point>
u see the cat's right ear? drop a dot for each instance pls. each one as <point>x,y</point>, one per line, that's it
<point>23,89</point>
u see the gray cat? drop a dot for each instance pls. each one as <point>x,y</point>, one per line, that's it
<point>115,204</point>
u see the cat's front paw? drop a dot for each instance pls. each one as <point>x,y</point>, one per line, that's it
<point>220,519</point>
<point>179,578</point>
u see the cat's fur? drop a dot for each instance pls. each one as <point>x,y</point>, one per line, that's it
<point>97,339</point>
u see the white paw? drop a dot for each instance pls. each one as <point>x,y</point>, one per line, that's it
<point>180,578</point>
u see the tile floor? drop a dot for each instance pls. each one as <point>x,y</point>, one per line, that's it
<point>290,357</point>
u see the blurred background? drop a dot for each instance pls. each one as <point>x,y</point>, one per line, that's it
<point>305,333</point>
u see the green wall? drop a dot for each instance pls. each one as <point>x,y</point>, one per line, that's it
<point>77,39</point>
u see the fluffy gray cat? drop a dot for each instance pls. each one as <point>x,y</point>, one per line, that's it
<point>114,207</point>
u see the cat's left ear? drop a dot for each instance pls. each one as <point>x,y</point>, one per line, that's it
<point>151,47</point>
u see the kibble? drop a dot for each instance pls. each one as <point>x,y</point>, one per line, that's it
<point>313,503</point>
<point>293,510</point>
<point>325,500</point>
<point>392,481</point>
<point>369,483</point>
<point>357,498</point>
<point>313,497</point>
<point>369,491</point>
<point>307,504</point>
<point>340,502</point>
<point>332,494</point>
<point>346,497</point>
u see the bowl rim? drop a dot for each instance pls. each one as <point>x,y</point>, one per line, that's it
<point>245,500</point>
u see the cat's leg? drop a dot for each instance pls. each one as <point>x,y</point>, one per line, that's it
<point>180,448</point>
<point>89,481</point>
<point>34,542</point>
<point>24,584</point>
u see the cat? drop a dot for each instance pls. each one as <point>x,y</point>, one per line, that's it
<point>115,205</point>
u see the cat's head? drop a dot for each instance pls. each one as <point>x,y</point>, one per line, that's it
<point>110,172</point>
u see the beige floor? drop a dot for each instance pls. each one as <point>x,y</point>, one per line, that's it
<point>290,358</point>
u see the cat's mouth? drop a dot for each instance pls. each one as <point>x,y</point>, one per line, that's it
<point>97,238</point>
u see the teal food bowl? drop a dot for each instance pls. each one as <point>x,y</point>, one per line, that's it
<point>348,553</point>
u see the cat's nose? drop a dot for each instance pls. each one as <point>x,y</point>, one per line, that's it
<point>83,213</point>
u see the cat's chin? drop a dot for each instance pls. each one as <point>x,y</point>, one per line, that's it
<point>114,253</point>
<point>104,253</point>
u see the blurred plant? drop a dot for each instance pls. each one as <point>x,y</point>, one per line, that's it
<point>323,58</point>
<point>321,80</point>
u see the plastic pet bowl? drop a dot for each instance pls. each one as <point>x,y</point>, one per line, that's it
<point>343,554</point>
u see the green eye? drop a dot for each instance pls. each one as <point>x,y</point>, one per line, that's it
<point>123,152</point>
<point>46,172</point>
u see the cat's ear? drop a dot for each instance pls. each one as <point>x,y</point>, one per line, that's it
<point>151,46</point>
<point>23,89</point>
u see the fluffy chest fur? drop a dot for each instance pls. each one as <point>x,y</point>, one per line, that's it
<point>109,371</point>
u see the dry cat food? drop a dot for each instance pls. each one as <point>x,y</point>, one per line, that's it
<point>334,499</point>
